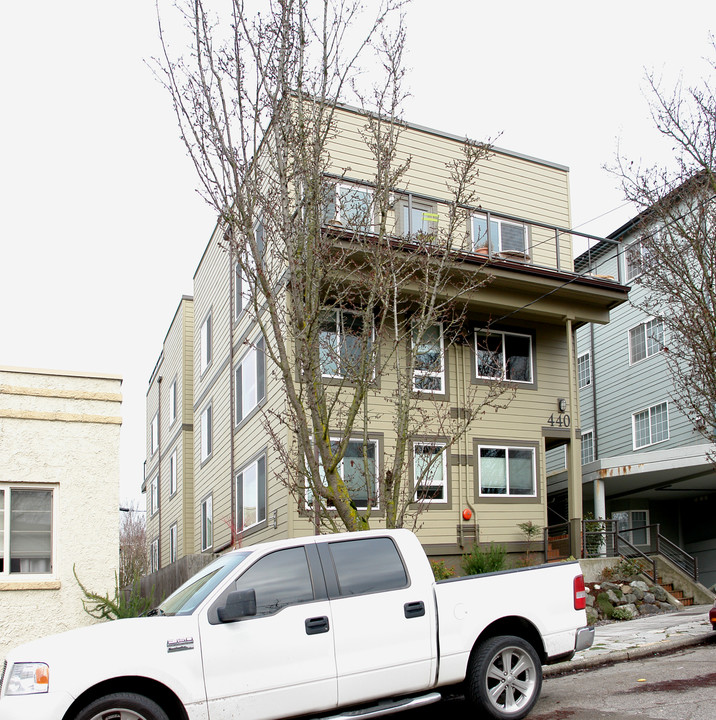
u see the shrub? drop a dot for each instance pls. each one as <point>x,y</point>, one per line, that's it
<point>479,561</point>
<point>123,605</point>
<point>622,570</point>
<point>605,605</point>
<point>622,613</point>
<point>440,571</point>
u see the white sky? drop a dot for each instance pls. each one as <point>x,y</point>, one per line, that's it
<point>101,230</point>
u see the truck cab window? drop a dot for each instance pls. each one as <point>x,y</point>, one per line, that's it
<point>368,566</point>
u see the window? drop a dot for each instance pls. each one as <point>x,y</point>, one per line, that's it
<point>349,205</point>
<point>418,216</point>
<point>154,495</point>
<point>341,343</point>
<point>633,524</point>
<point>245,280</point>
<point>279,580</point>
<point>173,402</point>
<point>207,524</point>
<point>504,236</point>
<point>173,535</point>
<point>429,373</point>
<point>430,472</point>
<point>251,494</point>
<point>584,370</point>
<point>154,434</point>
<point>503,356</point>
<point>507,471</point>
<point>359,473</point>
<point>250,381</point>
<point>587,447</point>
<point>366,566</point>
<point>26,526</point>
<point>646,340</point>
<point>206,433</point>
<point>634,260</point>
<point>154,556</point>
<point>173,473</point>
<point>205,344</point>
<point>650,426</point>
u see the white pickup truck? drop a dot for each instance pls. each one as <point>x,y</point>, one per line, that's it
<point>349,625</point>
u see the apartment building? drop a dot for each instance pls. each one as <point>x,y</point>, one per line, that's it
<point>517,236</point>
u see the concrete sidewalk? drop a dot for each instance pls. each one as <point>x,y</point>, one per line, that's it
<point>641,637</point>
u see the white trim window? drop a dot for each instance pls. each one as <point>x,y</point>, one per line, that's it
<point>430,472</point>
<point>350,206</point>
<point>173,473</point>
<point>251,494</point>
<point>173,536</point>
<point>207,523</point>
<point>584,370</point>
<point>154,495</point>
<point>507,471</point>
<point>26,531</point>
<point>638,521</point>
<point>341,340</point>
<point>245,280</point>
<point>250,381</point>
<point>173,402</point>
<point>205,350</point>
<point>645,340</point>
<point>418,216</point>
<point>154,434</point>
<point>207,432</point>
<point>650,426</point>
<point>634,259</point>
<point>154,555</point>
<point>587,447</point>
<point>359,473</point>
<point>429,354</point>
<point>505,236</point>
<point>503,355</point>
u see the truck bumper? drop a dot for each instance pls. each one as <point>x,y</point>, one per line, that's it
<point>40,706</point>
<point>585,638</point>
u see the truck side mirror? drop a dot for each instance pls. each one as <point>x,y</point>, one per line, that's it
<point>239,604</point>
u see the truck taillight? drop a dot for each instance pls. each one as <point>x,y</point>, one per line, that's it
<point>580,596</point>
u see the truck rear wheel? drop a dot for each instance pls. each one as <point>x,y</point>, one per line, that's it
<point>122,706</point>
<point>505,677</point>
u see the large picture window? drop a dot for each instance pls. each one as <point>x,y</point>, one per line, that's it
<point>341,343</point>
<point>251,494</point>
<point>430,472</point>
<point>350,206</point>
<point>507,471</point>
<point>25,531</point>
<point>651,426</point>
<point>502,355</point>
<point>359,472</point>
<point>645,340</point>
<point>429,354</point>
<point>250,381</point>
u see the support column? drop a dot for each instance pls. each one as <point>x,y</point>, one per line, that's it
<point>574,454</point>
<point>600,511</point>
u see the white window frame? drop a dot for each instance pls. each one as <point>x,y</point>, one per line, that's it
<point>173,402</point>
<point>173,542</point>
<point>507,493</point>
<point>154,435</point>
<point>428,221</point>
<point>337,345</point>
<point>633,269</point>
<point>497,244</point>
<point>252,366</point>
<point>154,555</point>
<point>644,328</point>
<point>584,361</point>
<point>173,473</point>
<point>589,435</point>
<point>207,523</point>
<point>6,491</point>
<point>650,411</point>
<point>205,341</point>
<point>340,190</point>
<point>439,374</point>
<point>427,480</point>
<point>619,517</point>
<point>256,467</point>
<point>503,375</point>
<point>206,432</point>
<point>154,495</point>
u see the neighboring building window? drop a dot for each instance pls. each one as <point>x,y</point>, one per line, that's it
<point>505,236</point>
<point>430,472</point>
<point>651,426</point>
<point>206,433</point>
<point>173,402</point>
<point>173,535</point>
<point>242,283</point>
<point>429,373</point>
<point>250,381</point>
<point>584,370</point>
<point>340,343</point>
<point>207,524</point>
<point>418,216</point>
<point>507,471</point>
<point>359,473</point>
<point>633,524</point>
<point>645,340</point>
<point>503,355</point>
<point>25,531</point>
<point>205,352</point>
<point>173,473</point>
<point>349,205</point>
<point>154,556</point>
<point>634,260</point>
<point>587,447</point>
<point>154,434</point>
<point>154,495</point>
<point>251,494</point>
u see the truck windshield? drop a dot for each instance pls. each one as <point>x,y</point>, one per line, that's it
<point>186,598</point>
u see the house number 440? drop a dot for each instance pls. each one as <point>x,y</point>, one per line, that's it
<point>561,420</point>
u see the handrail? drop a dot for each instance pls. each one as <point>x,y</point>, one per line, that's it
<point>688,563</point>
<point>636,553</point>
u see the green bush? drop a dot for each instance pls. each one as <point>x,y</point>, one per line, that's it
<point>622,613</point>
<point>123,605</point>
<point>605,605</point>
<point>479,561</point>
<point>440,571</point>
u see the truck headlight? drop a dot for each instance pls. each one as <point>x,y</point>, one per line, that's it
<point>28,679</point>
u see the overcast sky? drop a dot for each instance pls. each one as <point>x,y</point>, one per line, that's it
<point>101,229</point>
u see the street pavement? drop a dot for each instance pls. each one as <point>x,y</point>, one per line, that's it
<point>641,637</point>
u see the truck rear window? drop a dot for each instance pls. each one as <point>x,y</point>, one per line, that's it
<point>367,566</point>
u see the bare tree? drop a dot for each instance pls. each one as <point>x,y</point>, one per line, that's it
<point>132,546</point>
<point>676,255</point>
<point>348,308</point>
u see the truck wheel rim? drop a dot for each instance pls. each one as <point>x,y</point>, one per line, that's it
<point>118,714</point>
<point>511,680</point>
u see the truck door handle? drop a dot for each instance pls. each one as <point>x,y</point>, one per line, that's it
<point>317,625</point>
<point>414,609</point>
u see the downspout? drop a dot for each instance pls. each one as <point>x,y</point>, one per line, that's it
<point>232,399</point>
<point>600,499</point>
<point>466,445</point>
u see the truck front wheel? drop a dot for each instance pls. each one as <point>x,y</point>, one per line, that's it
<point>505,677</point>
<point>122,706</point>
